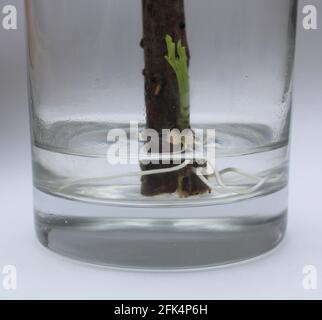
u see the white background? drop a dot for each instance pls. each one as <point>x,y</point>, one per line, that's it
<point>42,274</point>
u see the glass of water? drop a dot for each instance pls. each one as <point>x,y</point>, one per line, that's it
<point>160,128</point>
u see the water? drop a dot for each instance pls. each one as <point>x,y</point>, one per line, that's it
<point>83,214</point>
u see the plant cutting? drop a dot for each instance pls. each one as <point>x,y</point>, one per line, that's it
<point>167,90</point>
<point>167,98</point>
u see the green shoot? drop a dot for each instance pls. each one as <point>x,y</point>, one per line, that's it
<point>178,60</point>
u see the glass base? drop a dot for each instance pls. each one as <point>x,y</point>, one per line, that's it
<point>161,238</point>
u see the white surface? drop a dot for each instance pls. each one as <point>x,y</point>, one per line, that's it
<point>42,274</point>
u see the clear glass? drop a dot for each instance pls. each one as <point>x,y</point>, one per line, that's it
<point>85,67</point>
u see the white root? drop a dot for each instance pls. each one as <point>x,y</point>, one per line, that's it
<point>220,187</point>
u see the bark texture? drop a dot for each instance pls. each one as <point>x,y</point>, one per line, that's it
<point>161,18</point>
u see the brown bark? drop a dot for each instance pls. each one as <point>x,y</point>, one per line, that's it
<point>161,18</point>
